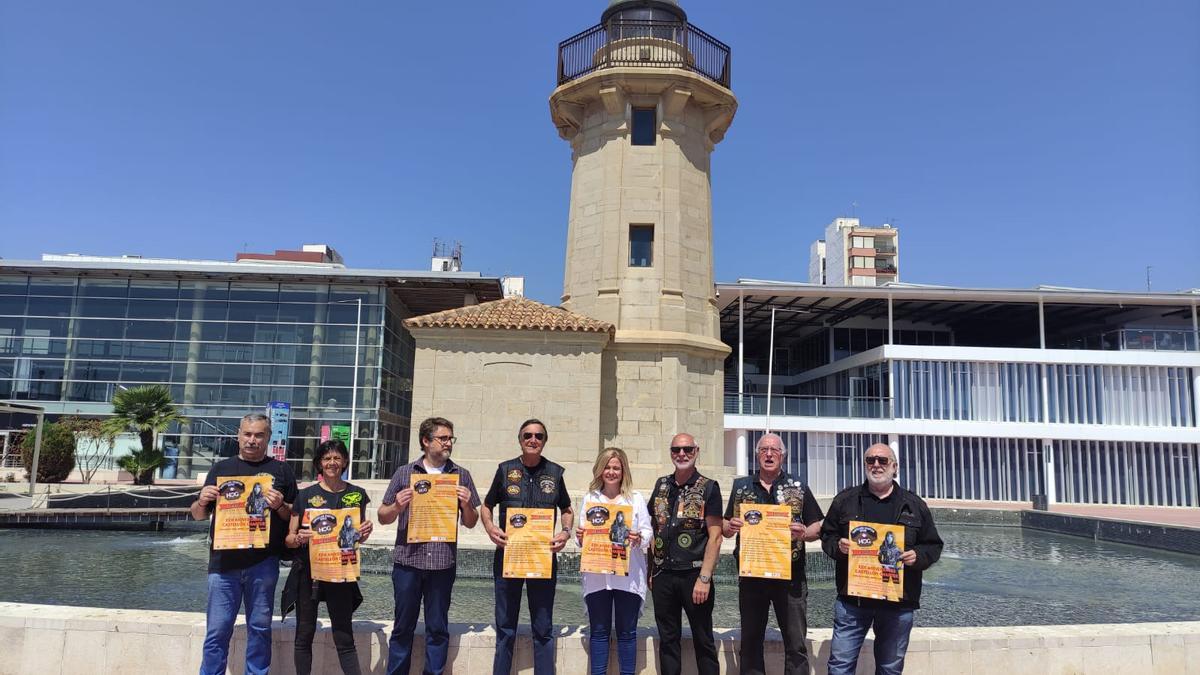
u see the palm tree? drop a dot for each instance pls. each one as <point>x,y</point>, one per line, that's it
<point>146,411</point>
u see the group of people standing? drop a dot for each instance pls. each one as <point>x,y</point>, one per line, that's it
<point>673,544</point>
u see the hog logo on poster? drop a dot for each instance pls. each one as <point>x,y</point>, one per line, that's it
<point>243,517</point>
<point>875,570</point>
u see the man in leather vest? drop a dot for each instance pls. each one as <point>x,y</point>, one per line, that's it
<point>878,500</point>
<point>685,510</point>
<point>772,485</point>
<point>530,481</point>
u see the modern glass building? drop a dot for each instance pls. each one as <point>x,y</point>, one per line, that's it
<point>1083,396</point>
<point>227,338</point>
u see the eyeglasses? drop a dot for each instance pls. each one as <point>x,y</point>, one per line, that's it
<point>771,451</point>
<point>877,459</point>
<point>682,449</point>
<point>446,440</point>
<point>533,434</point>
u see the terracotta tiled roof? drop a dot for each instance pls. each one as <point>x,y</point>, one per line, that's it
<point>515,313</point>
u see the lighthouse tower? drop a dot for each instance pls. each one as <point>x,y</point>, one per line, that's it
<point>643,98</point>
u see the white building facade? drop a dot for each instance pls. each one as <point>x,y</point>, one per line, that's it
<point>998,395</point>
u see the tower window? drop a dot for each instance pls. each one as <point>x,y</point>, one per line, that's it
<point>641,245</point>
<point>645,123</point>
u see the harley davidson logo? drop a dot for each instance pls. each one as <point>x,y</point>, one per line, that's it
<point>422,486</point>
<point>514,490</point>
<point>514,476</point>
<point>316,501</point>
<point>518,520</point>
<point>752,517</point>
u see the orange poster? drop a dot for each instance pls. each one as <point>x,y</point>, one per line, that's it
<point>527,554</point>
<point>433,514</point>
<point>766,541</point>
<point>333,549</point>
<point>242,518</point>
<point>875,570</point>
<point>606,546</point>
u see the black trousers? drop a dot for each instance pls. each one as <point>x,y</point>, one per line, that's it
<point>672,593</point>
<point>790,599</point>
<point>339,600</point>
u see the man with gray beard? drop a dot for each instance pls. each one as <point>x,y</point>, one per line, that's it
<point>878,500</point>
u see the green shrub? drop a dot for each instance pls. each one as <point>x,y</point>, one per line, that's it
<point>57,459</point>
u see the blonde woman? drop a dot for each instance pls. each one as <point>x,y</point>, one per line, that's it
<point>611,596</point>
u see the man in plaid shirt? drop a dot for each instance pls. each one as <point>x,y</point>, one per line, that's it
<point>424,571</point>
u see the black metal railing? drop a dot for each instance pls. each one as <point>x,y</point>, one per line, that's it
<point>661,44</point>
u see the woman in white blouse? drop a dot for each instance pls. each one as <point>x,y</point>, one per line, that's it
<point>615,596</point>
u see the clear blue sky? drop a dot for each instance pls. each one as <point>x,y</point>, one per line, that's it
<point>1013,143</point>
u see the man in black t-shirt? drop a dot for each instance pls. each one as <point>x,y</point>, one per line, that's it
<point>250,573</point>
<point>772,485</point>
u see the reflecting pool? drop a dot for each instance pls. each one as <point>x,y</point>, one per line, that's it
<point>988,576</point>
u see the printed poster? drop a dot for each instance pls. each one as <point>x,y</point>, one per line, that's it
<point>280,413</point>
<point>243,519</point>
<point>333,548</point>
<point>527,554</point>
<point>875,570</point>
<point>433,513</point>
<point>766,541</point>
<point>606,546</point>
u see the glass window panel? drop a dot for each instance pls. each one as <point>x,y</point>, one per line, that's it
<point>256,293</point>
<point>11,284</point>
<point>645,126</point>
<point>154,351</point>
<point>339,335</point>
<point>49,306</point>
<point>133,371</point>
<point>112,308</point>
<point>302,293</point>
<point>210,290</point>
<point>104,288</point>
<point>299,313</point>
<point>235,395</point>
<point>47,327</point>
<point>101,328</point>
<point>343,313</point>
<point>144,288</point>
<point>150,330</point>
<point>253,311</point>
<point>351,292</point>
<point>209,373</point>
<point>152,309</point>
<point>98,371</point>
<point>236,374</point>
<point>213,331</point>
<point>12,305</point>
<point>240,332</point>
<point>641,245</point>
<point>239,353</point>
<point>51,286</point>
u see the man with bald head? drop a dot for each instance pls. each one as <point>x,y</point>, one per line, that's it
<point>772,485</point>
<point>686,516</point>
<point>880,499</point>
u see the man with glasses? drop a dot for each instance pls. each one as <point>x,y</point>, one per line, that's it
<point>685,510</point>
<point>424,571</point>
<point>772,485</point>
<point>878,500</point>
<point>529,481</point>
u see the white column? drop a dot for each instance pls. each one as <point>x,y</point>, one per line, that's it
<point>1196,395</point>
<point>741,348</point>
<point>743,452</point>
<point>1048,463</point>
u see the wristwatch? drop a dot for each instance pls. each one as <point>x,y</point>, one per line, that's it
<point>705,578</point>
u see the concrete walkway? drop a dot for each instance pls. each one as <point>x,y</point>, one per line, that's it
<point>1178,516</point>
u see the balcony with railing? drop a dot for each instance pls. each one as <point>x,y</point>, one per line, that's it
<point>655,43</point>
<point>789,405</point>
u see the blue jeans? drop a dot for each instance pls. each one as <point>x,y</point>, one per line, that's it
<point>409,586</point>
<point>541,619</point>
<point>850,624</point>
<point>601,607</point>
<point>226,591</point>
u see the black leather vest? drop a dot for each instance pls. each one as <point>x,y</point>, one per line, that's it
<point>680,532</point>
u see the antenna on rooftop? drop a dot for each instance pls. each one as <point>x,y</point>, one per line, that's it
<point>1148,268</point>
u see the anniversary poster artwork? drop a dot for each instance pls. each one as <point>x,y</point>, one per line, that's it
<point>766,541</point>
<point>243,518</point>
<point>433,513</point>
<point>527,554</point>
<point>875,570</point>
<point>606,529</point>
<point>333,548</point>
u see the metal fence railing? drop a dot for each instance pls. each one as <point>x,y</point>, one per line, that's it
<point>634,43</point>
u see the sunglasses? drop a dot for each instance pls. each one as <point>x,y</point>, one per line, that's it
<point>533,434</point>
<point>682,449</point>
<point>882,461</point>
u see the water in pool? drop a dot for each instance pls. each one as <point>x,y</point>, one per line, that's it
<point>988,576</point>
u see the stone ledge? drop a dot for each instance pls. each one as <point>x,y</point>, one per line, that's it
<point>48,639</point>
